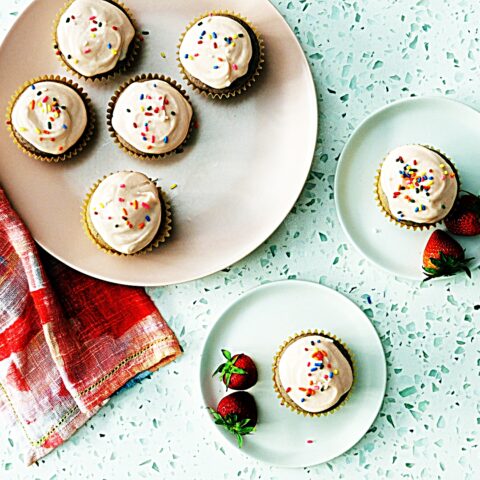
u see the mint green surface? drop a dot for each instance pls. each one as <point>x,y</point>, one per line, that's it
<point>363,54</point>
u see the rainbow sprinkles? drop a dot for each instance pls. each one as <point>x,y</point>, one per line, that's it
<point>125,212</point>
<point>151,117</point>
<point>216,50</point>
<point>49,116</point>
<point>419,184</point>
<point>314,373</point>
<point>93,36</point>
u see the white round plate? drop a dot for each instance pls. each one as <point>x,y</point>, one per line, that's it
<point>237,179</point>
<point>450,126</point>
<point>257,324</point>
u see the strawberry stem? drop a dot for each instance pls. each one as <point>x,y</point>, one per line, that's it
<point>227,369</point>
<point>231,423</point>
<point>446,266</point>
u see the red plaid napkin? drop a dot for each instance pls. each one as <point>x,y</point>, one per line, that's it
<point>67,341</point>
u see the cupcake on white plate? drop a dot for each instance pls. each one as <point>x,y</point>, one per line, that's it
<point>416,186</point>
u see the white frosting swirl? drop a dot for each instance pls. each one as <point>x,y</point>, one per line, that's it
<point>152,116</point>
<point>216,50</point>
<point>314,373</point>
<point>125,210</point>
<point>420,186</point>
<point>93,36</point>
<point>49,115</point>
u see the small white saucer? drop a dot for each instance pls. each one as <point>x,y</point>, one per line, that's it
<point>450,126</point>
<point>257,324</point>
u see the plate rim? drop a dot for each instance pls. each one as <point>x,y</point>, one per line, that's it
<point>250,247</point>
<point>230,306</point>
<point>341,164</point>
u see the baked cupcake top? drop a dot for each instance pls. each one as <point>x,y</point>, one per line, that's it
<point>51,116</point>
<point>216,50</point>
<point>419,184</point>
<point>314,373</point>
<point>125,210</point>
<point>93,36</point>
<point>152,116</point>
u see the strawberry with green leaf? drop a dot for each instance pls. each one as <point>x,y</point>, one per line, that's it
<point>238,372</point>
<point>237,413</point>
<point>443,256</point>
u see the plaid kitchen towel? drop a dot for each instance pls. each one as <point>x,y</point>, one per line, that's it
<point>67,341</point>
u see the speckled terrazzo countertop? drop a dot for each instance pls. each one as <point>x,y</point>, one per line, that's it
<point>363,54</point>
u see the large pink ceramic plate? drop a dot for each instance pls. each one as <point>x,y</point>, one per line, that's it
<point>237,179</point>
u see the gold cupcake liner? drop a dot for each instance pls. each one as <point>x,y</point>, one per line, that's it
<point>126,64</point>
<point>290,405</point>
<point>411,226</point>
<point>162,235</point>
<point>253,77</point>
<point>80,143</point>
<point>111,106</point>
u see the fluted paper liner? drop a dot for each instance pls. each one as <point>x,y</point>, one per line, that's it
<point>78,146</point>
<point>164,230</point>
<point>408,224</point>
<point>117,137</point>
<point>290,404</point>
<point>121,66</point>
<point>248,81</point>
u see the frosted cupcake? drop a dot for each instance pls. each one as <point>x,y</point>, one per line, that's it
<point>417,186</point>
<point>220,54</point>
<point>95,38</point>
<point>50,119</point>
<point>126,213</point>
<point>313,373</point>
<point>150,116</point>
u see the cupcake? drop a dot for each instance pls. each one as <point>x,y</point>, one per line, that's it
<point>417,186</point>
<point>50,118</point>
<point>150,116</point>
<point>126,213</point>
<point>313,373</point>
<point>220,54</point>
<point>95,38</point>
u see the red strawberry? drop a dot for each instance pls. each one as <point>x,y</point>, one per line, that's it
<point>238,372</point>
<point>237,413</point>
<point>465,217</point>
<point>443,256</point>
